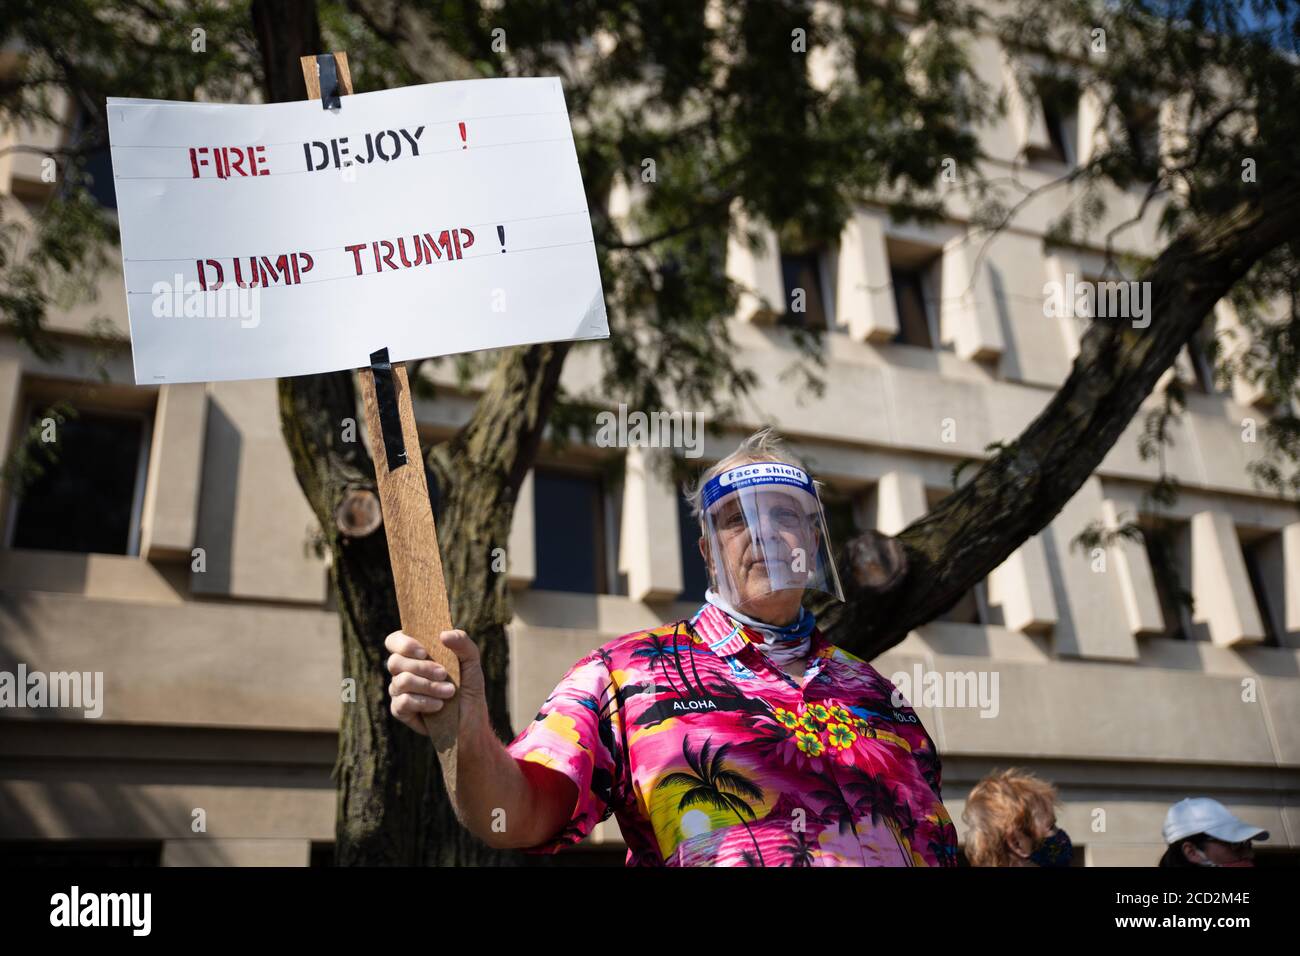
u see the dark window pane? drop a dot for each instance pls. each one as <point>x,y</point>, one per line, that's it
<point>99,169</point>
<point>570,533</point>
<point>801,272</point>
<point>1142,122</point>
<point>841,523</point>
<point>909,301</point>
<point>1055,130</point>
<point>83,501</point>
<point>1255,569</point>
<point>695,574</point>
<point>1162,552</point>
<point>1058,98</point>
<point>1203,353</point>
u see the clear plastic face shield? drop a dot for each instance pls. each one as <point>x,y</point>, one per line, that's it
<point>765,531</point>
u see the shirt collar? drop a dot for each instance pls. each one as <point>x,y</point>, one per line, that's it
<point>727,637</point>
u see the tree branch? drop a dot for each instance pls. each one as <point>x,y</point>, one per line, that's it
<point>1019,492</point>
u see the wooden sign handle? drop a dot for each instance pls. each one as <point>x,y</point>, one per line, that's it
<point>408,515</point>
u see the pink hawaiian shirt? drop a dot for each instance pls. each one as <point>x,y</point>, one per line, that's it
<point>710,755</point>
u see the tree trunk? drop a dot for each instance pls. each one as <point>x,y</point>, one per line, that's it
<point>1018,493</point>
<point>392,806</point>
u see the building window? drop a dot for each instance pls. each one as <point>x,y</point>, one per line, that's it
<point>842,518</point>
<point>1060,150</point>
<point>1168,547</point>
<point>913,273</point>
<point>571,522</point>
<point>913,313</point>
<point>1264,566</point>
<point>1059,100</point>
<point>1202,353</point>
<point>695,573</point>
<point>98,166</point>
<point>1142,130</point>
<point>88,499</point>
<point>806,289</point>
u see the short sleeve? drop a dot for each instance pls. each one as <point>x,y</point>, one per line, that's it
<point>578,732</point>
<point>933,773</point>
<point>927,756</point>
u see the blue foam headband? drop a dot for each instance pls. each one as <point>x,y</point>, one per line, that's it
<point>757,473</point>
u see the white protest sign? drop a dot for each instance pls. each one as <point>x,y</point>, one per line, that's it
<point>261,241</point>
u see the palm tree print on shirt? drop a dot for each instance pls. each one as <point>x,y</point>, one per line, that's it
<point>711,784</point>
<point>684,732</point>
<point>658,651</point>
<point>799,852</point>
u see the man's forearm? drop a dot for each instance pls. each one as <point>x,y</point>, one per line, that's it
<point>493,798</point>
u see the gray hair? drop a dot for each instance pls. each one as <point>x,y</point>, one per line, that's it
<point>764,445</point>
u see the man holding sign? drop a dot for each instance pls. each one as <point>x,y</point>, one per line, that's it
<point>738,737</point>
<point>298,238</point>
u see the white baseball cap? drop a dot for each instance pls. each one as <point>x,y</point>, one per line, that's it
<point>1203,815</point>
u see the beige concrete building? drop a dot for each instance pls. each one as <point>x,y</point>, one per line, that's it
<point>173,556</point>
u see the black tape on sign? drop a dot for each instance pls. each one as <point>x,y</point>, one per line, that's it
<point>390,420</point>
<point>329,82</point>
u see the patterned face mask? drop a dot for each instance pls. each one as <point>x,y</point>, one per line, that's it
<point>1055,850</point>
<point>783,645</point>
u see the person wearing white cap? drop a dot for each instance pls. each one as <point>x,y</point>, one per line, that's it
<point>1203,832</point>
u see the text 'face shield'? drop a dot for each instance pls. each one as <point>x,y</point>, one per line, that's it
<point>765,531</point>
